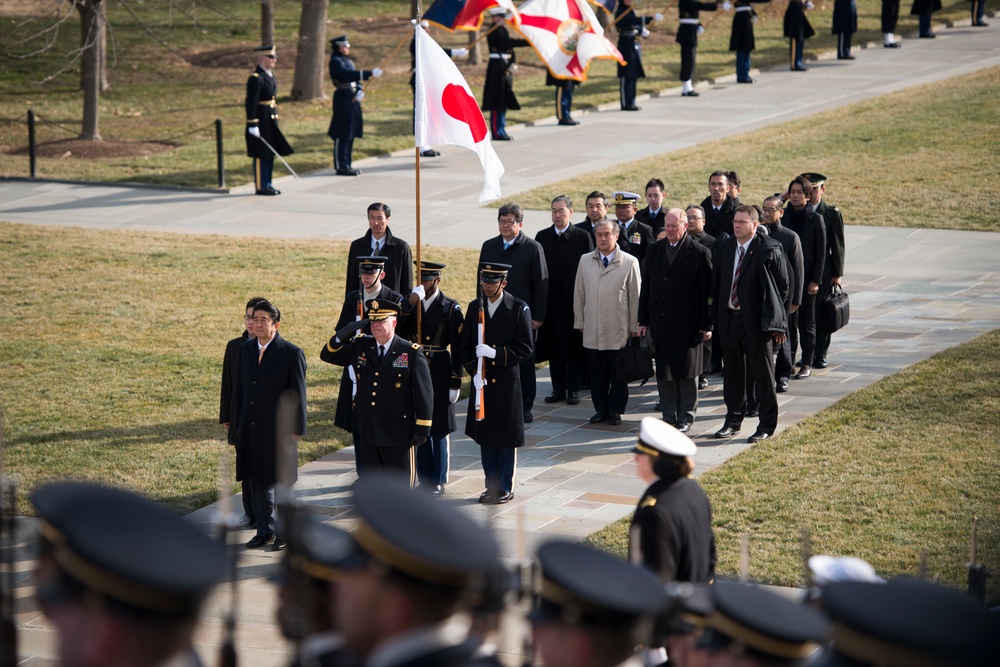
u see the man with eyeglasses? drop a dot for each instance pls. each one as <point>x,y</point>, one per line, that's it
<point>262,121</point>
<point>269,367</point>
<point>792,246</point>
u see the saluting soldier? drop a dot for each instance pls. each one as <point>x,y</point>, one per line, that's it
<point>441,339</point>
<point>630,26</point>
<point>506,343</point>
<point>347,122</point>
<point>741,40</point>
<point>498,89</point>
<point>262,120</point>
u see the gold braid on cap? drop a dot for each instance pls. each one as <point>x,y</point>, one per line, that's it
<point>393,556</point>
<point>761,642</point>
<point>647,449</point>
<point>852,643</point>
<point>314,569</point>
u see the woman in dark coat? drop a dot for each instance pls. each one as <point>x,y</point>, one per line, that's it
<point>797,30</point>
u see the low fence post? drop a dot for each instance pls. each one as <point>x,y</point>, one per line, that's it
<point>32,147</point>
<point>218,153</point>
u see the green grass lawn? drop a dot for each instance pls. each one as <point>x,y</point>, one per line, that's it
<point>113,356</point>
<point>156,96</point>
<point>885,474</point>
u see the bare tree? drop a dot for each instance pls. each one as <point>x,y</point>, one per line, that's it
<point>92,29</point>
<point>308,82</point>
<point>267,22</point>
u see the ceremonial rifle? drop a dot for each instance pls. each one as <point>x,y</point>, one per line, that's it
<point>481,366</point>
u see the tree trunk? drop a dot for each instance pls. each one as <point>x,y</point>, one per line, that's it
<point>475,55</point>
<point>92,25</point>
<point>266,22</point>
<point>308,82</point>
<point>102,58</point>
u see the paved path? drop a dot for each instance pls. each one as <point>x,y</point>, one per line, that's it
<point>913,293</point>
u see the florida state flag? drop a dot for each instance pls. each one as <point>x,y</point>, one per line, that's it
<point>566,36</point>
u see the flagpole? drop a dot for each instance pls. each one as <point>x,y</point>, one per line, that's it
<point>416,149</point>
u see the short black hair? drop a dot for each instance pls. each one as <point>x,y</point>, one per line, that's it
<point>807,186</point>
<point>513,209</point>
<point>597,194</point>
<point>379,206</point>
<point>698,207</point>
<point>718,172</point>
<point>268,308</point>
<point>733,178</point>
<point>564,198</point>
<point>655,182</point>
<point>254,301</point>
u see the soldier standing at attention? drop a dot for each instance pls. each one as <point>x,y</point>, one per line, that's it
<point>262,120</point>
<point>630,26</point>
<point>687,36</point>
<point>498,89</point>
<point>347,121</point>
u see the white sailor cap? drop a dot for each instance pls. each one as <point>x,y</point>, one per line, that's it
<point>828,569</point>
<point>658,438</point>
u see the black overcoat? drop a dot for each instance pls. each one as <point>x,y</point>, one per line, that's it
<point>796,24</point>
<point>812,235</point>
<point>261,111</point>
<point>741,38</point>
<point>687,33</point>
<point>845,16</point>
<point>398,267</point>
<point>719,221</point>
<point>924,7</point>
<point>629,29</point>
<point>638,237</point>
<point>230,376</point>
<point>557,339</point>
<point>498,88</point>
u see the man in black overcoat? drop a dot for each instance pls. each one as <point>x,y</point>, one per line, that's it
<point>718,205</point>
<point>347,122</point>
<point>498,88</point>
<point>792,247</point>
<point>801,217</point>
<point>845,24</point>
<point>673,310</point>
<point>507,342</point>
<point>262,120</point>
<point>797,29</point>
<point>558,342</point>
<point>379,240</point>
<point>269,366</point>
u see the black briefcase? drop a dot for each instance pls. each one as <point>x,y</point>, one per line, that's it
<point>636,360</point>
<point>835,311</point>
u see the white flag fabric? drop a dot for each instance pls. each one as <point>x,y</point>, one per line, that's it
<point>447,113</point>
<point>566,35</point>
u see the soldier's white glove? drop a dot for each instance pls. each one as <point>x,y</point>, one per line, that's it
<point>809,6</point>
<point>254,131</point>
<point>657,16</point>
<point>377,72</point>
<point>453,395</point>
<point>726,6</point>
<point>360,95</point>
<point>701,29</point>
<point>419,291</point>
<point>459,53</point>
<point>645,32</point>
<point>425,25</point>
<point>478,382</point>
<point>512,68</point>
<point>484,350</point>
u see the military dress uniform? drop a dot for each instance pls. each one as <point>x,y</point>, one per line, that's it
<point>836,249</point>
<point>741,40</point>
<point>797,29</point>
<point>687,37</point>
<point>634,237</point>
<point>498,89</point>
<point>564,98</point>
<point>845,24</point>
<point>630,28</point>
<point>262,113</point>
<point>347,123</point>
<point>923,9</point>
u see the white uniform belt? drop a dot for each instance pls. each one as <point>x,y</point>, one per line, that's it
<point>505,56</point>
<point>689,21</point>
<point>744,9</point>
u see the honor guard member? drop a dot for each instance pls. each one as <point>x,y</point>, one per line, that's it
<point>671,532</point>
<point>498,89</point>
<point>798,29</point>
<point>833,267</point>
<point>371,272</point>
<point>441,339</point>
<point>506,343</point>
<point>593,609</point>
<point>688,29</point>
<point>420,567</point>
<point>564,98</point>
<point>394,401</point>
<point>638,235</point>
<point>845,24</point>
<point>122,578</point>
<point>262,120</point>
<point>923,9</point>
<point>741,40</point>
<point>630,27</point>
<point>890,16</point>
<point>979,13</point>
<point>750,626</point>
<point>347,122</point>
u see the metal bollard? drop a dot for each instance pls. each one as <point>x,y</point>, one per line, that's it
<point>221,168</point>
<point>32,148</point>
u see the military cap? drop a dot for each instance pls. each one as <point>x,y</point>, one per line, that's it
<point>908,622</point>
<point>584,586</point>
<point>624,198</point>
<point>126,549</point>
<point>407,533</point>
<point>429,270</point>
<point>814,178</point>
<point>265,51</point>
<point>381,309</point>
<point>341,40</point>
<point>829,569</point>
<point>372,263</point>
<point>497,11</point>
<point>492,272</point>
<point>763,623</point>
<point>320,550</point>
<point>688,607</point>
<point>658,438</point>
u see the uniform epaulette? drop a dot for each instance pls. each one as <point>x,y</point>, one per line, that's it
<point>255,74</point>
<point>648,502</point>
<point>836,209</point>
<point>415,346</point>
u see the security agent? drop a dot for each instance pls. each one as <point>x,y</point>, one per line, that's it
<point>122,578</point>
<point>420,566</point>
<point>593,609</point>
<point>347,122</point>
<point>262,120</point>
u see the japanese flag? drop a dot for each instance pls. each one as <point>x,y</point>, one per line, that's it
<point>447,113</point>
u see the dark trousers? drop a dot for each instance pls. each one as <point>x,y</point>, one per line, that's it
<point>745,355</point>
<point>399,459</point>
<point>432,460</point>
<point>742,65</point>
<point>802,329</point>
<point>527,370</point>
<point>247,501</point>
<point>822,337</point>
<point>924,21</point>
<point>566,376</point>
<point>687,61</point>
<point>796,47</point>
<point>678,400</point>
<point>784,358</point>
<point>564,100</point>
<point>262,498</point>
<point>843,44</point>
<point>499,465</point>
<point>626,92</point>
<point>890,15</point>
<point>608,388</point>
<point>342,149</point>
<point>978,11</point>
<point>498,123</point>
<point>263,167</point>
<point>357,452</point>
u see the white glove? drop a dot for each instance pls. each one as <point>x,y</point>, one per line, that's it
<point>453,395</point>
<point>657,16</point>
<point>809,6</point>
<point>459,53</point>
<point>484,350</point>
<point>360,95</point>
<point>478,382</point>
<point>377,72</point>
<point>419,291</point>
<point>701,29</point>
<point>254,131</point>
<point>645,32</point>
<point>425,25</point>
<point>726,6</point>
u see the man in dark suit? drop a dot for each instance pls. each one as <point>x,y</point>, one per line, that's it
<point>653,214</point>
<point>227,398</point>
<point>597,210</point>
<point>801,217</point>
<point>558,342</point>
<point>347,122</point>
<point>501,350</point>
<point>833,267</point>
<point>741,40</point>
<point>395,399</point>
<point>379,240</point>
<point>528,280</point>
<point>673,310</point>
<point>718,206</point>
<point>747,305</point>
<point>269,366</point>
<point>262,120</point>
<point>792,247</point>
<point>638,236</point>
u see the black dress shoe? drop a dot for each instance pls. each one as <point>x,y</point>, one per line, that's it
<point>572,398</point>
<point>846,58</point>
<point>488,497</point>
<point>656,407</point>
<point>269,192</point>
<point>568,121</point>
<point>758,436</point>
<point>598,417</point>
<point>800,68</point>
<point>929,35</point>
<point>752,412</point>
<point>803,373</point>
<point>430,152</point>
<point>504,497</point>
<point>821,363</point>
<point>684,428</point>
<point>615,420</point>
<point>437,490</point>
<point>528,417</point>
<point>894,45</point>
<point>555,398</point>
<point>503,137</point>
<point>690,93</point>
<point>746,81</point>
<point>348,172</point>
<point>279,544</point>
<point>257,541</point>
<point>781,386</point>
<point>980,24</point>
<point>726,432</point>
<point>632,108</point>
<point>703,382</point>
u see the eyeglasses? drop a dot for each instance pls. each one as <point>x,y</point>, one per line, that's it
<point>248,317</point>
<point>771,209</point>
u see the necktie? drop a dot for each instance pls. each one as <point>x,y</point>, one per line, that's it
<point>381,352</point>
<point>734,298</point>
<point>605,260</point>
<point>506,245</point>
<point>260,355</point>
